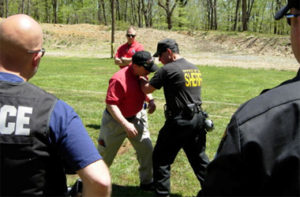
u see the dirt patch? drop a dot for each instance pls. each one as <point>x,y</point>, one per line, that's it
<point>203,48</point>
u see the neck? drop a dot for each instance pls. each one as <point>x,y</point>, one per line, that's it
<point>175,57</point>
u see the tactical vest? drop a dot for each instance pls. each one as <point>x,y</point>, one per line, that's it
<point>29,164</point>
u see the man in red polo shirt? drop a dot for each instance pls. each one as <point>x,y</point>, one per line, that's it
<point>122,117</point>
<point>126,51</point>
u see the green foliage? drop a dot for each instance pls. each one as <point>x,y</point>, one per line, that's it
<point>82,83</point>
<point>196,15</point>
<point>122,25</point>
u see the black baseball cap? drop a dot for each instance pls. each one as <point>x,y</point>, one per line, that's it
<point>144,58</point>
<point>285,9</point>
<point>165,44</point>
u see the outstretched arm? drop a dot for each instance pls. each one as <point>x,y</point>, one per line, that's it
<point>145,86</point>
<point>96,179</point>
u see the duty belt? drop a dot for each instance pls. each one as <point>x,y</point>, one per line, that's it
<point>187,112</point>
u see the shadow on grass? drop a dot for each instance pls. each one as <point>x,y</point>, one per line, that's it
<point>120,190</point>
<point>93,126</point>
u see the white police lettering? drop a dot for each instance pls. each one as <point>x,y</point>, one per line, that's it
<point>18,125</point>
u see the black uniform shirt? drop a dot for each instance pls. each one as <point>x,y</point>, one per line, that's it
<point>181,81</point>
<point>260,152</point>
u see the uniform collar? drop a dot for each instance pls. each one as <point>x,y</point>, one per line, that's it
<point>295,79</point>
<point>10,77</point>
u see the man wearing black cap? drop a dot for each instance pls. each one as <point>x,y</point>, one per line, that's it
<point>183,127</point>
<point>121,119</point>
<point>259,154</point>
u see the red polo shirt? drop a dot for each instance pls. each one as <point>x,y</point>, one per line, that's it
<point>128,51</point>
<point>124,91</point>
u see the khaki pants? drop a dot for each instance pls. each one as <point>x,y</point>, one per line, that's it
<point>112,135</point>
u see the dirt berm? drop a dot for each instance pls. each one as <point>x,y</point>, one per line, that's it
<point>203,48</point>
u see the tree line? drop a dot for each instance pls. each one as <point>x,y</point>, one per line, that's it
<point>189,15</point>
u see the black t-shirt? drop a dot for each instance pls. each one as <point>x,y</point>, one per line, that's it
<point>181,81</point>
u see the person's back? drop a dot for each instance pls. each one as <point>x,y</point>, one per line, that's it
<point>40,136</point>
<point>260,154</point>
<point>29,165</point>
<point>183,84</point>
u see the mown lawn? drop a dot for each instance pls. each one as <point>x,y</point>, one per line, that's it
<point>82,83</point>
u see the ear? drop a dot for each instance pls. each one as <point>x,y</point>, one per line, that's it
<point>170,53</point>
<point>36,60</point>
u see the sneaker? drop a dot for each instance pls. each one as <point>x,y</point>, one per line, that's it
<point>147,187</point>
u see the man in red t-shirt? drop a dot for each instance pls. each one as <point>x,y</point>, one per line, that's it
<point>127,50</point>
<point>122,117</point>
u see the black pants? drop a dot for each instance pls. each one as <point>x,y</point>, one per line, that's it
<point>179,133</point>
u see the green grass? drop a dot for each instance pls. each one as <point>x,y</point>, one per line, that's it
<point>82,83</point>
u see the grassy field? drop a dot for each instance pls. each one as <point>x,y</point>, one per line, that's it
<point>82,83</point>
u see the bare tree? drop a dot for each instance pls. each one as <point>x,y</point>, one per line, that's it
<point>212,14</point>
<point>125,12</point>
<point>169,11</point>
<point>140,17</point>
<point>28,7</point>
<point>236,14</point>
<point>47,14</point>
<point>102,6</point>
<point>112,28</point>
<point>22,7</point>
<point>6,8</point>
<point>215,23</point>
<point>278,5</point>
<point>247,6</point>
<point>118,12</point>
<point>54,6</point>
<point>1,8</point>
<point>147,10</point>
<point>133,11</point>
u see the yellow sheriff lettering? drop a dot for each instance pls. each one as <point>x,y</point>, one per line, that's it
<point>192,79</point>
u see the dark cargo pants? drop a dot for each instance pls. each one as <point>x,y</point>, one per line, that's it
<point>179,133</point>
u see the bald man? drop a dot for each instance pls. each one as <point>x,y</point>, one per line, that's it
<point>124,54</point>
<point>40,136</point>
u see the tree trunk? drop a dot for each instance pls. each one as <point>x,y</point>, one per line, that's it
<point>28,7</point>
<point>236,15</point>
<point>277,7</point>
<point>99,12</point>
<point>54,6</point>
<point>103,11</point>
<point>215,22</point>
<point>6,9</point>
<point>1,8</point>
<point>47,15</point>
<point>246,11</point>
<point>209,14</point>
<point>140,17</point>
<point>147,10</point>
<point>125,12</point>
<point>22,7</point>
<point>112,28</point>
<point>169,11</point>
<point>133,13</point>
<point>118,10</point>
